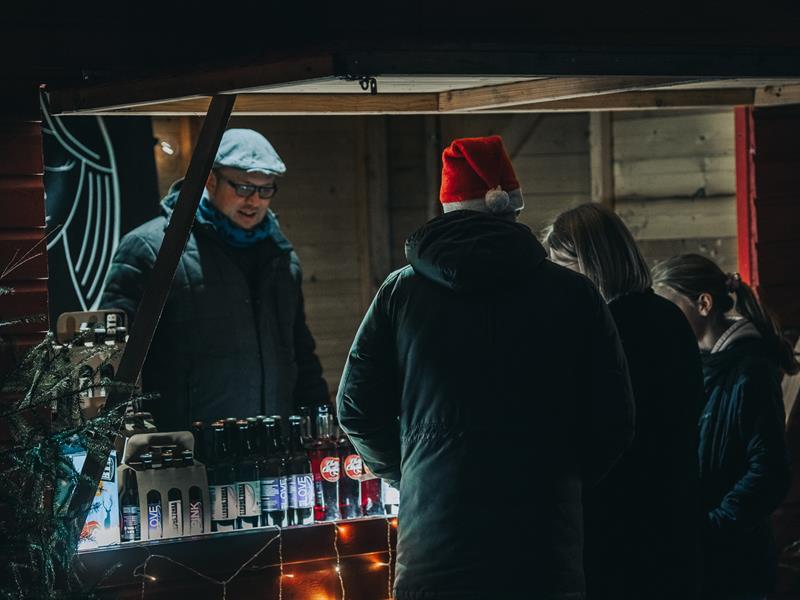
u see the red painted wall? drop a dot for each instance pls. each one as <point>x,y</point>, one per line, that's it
<point>768,201</point>
<point>22,225</point>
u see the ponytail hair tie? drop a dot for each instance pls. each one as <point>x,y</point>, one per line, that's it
<point>733,282</point>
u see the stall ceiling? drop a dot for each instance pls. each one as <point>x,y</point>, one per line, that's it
<point>448,80</point>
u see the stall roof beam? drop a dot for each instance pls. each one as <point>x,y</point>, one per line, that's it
<point>203,82</point>
<point>644,100</point>
<point>545,90</point>
<point>562,60</point>
<point>365,104</point>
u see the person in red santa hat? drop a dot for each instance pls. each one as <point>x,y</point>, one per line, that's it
<point>489,384</point>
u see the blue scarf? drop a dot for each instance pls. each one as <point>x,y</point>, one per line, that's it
<point>207,214</point>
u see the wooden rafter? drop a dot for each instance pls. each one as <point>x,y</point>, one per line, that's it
<point>286,103</point>
<point>544,90</point>
<point>644,100</point>
<point>778,94</point>
<point>322,104</point>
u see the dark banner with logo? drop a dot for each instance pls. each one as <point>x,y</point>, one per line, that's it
<point>100,182</point>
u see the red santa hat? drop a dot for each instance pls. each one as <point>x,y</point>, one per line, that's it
<point>477,175</point>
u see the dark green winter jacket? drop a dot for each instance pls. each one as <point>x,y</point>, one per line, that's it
<point>744,468</point>
<point>233,339</point>
<point>492,385</point>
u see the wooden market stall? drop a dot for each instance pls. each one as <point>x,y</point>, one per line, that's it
<point>692,144</point>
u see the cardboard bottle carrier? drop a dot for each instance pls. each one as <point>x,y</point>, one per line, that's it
<point>165,479</point>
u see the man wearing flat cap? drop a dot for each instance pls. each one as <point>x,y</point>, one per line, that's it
<point>233,339</point>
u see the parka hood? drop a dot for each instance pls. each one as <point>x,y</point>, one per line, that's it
<point>470,251</point>
<point>168,202</point>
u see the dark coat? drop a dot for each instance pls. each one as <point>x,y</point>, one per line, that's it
<point>232,340</point>
<point>744,467</point>
<point>492,385</point>
<point>643,520</point>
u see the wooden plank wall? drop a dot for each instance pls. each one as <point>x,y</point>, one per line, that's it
<point>409,194</point>
<point>673,175</point>
<point>675,182</point>
<point>318,205</point>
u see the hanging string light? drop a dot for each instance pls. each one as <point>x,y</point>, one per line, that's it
<point>390,578</point>
<point>339,530</point>
<point>338,567</point>
<point>141,570</point>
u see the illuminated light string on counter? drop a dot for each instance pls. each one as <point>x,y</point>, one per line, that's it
<point>389,524</point>
<point>339,530</point>
<point>338,568</point>
<point>224,583</point>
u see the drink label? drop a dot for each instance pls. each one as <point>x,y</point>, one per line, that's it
<point>196,516</point>
<point>131,528</point>
<point>223,502</point>
<point>176,517</point>
<point>301,491</point>
<point>273,494</point>
<point>249,497</point>
<point>353,466</point>
<point>319,493</point>
<point>153,521</point>
<point>329,468</point>
<point>284,492</point>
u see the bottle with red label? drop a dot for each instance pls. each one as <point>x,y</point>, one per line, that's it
<point>349,477</point>
<point>371,494</point>
<point>325,467</point>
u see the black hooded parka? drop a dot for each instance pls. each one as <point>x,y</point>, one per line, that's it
<point>491,384</point>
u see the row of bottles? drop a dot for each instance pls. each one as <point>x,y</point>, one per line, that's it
<point>256,479</point>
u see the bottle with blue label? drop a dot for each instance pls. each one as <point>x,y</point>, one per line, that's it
<point>155,523</point>
<point>300,510</point>
<point>274,484</point>
<point>131,513</point>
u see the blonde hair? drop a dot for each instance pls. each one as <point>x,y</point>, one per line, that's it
<point>598,242</point>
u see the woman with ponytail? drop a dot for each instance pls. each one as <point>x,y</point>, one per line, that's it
<point>744,468</point>
<point>642,532</point>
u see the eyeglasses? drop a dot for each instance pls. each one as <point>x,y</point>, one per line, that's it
<point>245,190</point>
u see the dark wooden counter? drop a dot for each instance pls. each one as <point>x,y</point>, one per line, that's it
<point>191,567</point>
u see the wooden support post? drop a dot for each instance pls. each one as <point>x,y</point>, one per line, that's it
<point>433,164</point>
<point>372,197</point>
<point>601,151</point>
<point>748,266</point>
<point>153,299</point>
<point>379,219</point>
